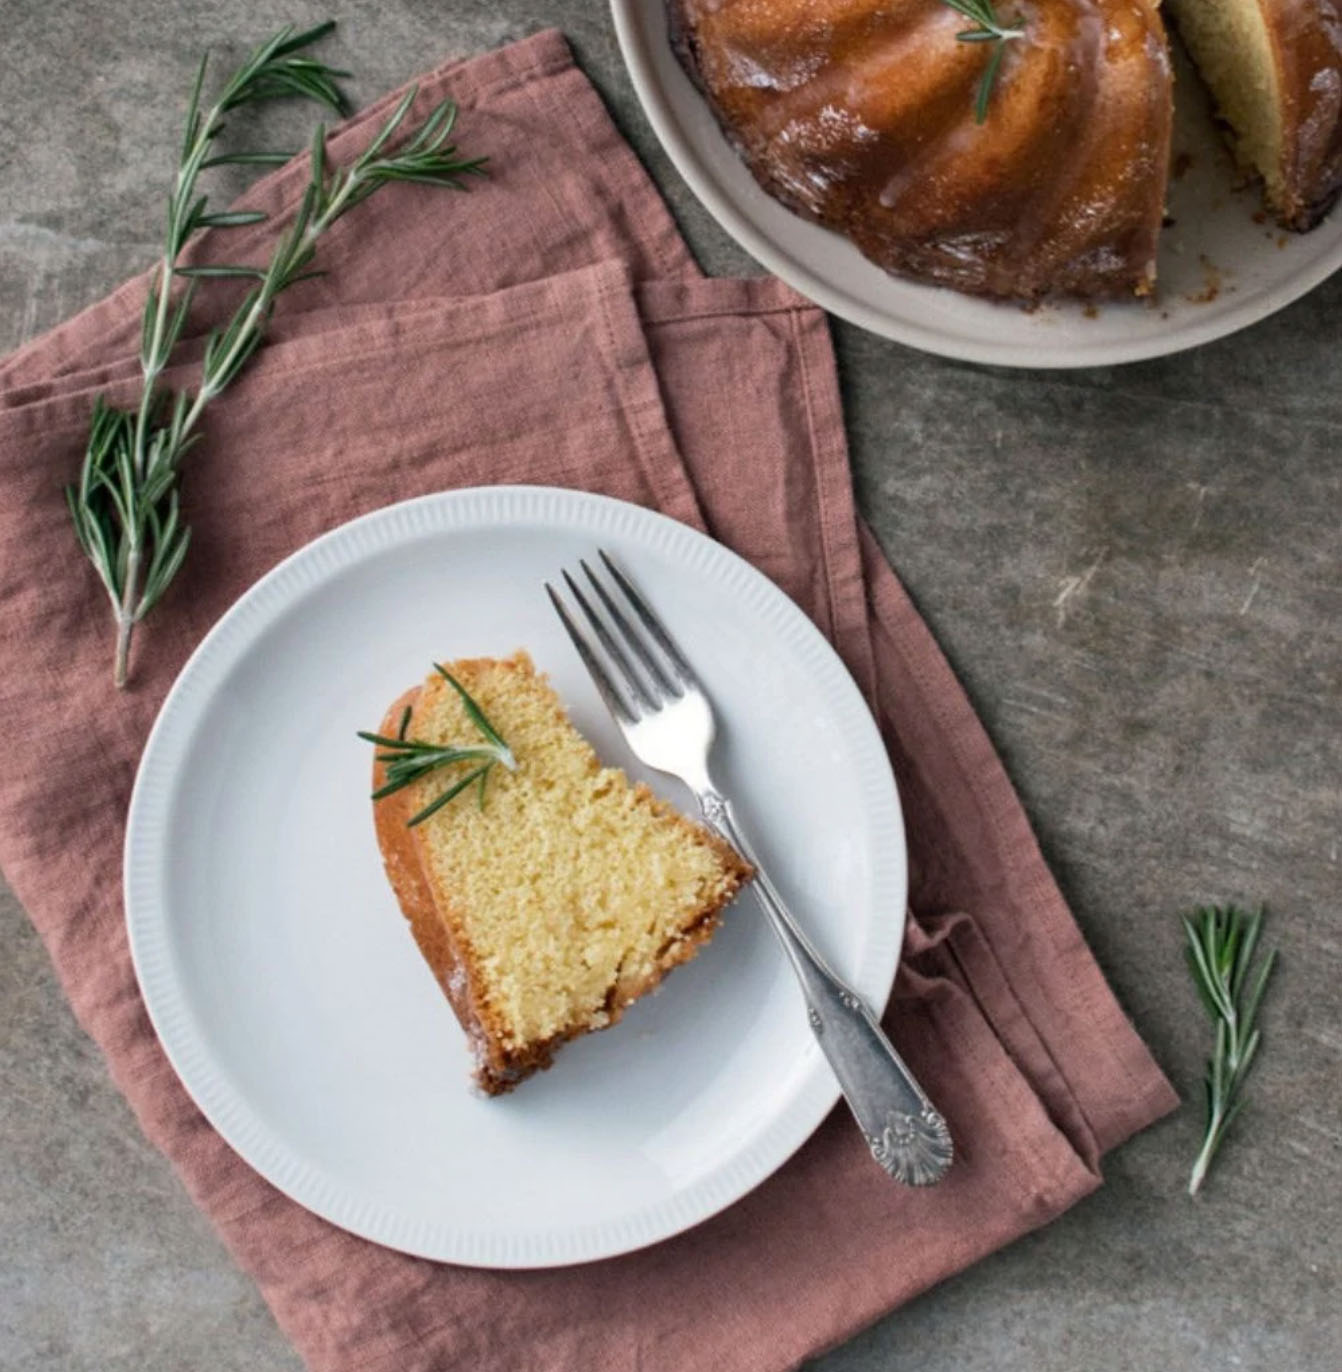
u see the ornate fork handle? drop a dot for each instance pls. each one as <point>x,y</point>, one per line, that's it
<point>906,1134</point>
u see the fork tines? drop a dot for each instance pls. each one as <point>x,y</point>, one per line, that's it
<point>662,673</point>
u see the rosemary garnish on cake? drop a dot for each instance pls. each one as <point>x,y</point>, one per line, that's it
<point>125,505</point>
<point>1222,942</point>
<point>988,29</point>
<point>408,760</point>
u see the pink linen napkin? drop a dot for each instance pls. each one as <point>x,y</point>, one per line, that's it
<point>550,327</point>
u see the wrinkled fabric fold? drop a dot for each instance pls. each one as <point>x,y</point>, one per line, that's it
<point>550,327</point>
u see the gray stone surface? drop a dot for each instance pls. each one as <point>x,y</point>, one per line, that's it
<point>1136,572</point>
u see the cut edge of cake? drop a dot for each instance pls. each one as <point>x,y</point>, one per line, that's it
<point>1273,80</point>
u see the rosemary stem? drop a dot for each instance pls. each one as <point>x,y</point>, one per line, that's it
<point>208,387</point>
<point>265,299</point>
<point>154,360</point>
<point>1209,1146</point>
<point>183,186</point>
<point>151,365</point>
<point>335,209</point>
<point>125,617</point>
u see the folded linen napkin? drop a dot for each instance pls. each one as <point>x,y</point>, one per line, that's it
<point>550,327</point>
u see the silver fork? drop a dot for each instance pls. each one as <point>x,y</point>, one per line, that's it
<point>665,715</point>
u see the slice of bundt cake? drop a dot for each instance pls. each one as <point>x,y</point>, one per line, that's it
<point>1274,68</point>
<point>1030,166</point>
<point>547,893</point>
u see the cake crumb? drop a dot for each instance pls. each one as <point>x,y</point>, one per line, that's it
<point>1260,216</point>
<point>1282,240</point>
<point>1211,287</point>
<point>1182,165</point>
<point>1092,311</point>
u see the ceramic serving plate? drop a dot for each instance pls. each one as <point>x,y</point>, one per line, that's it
<point>283,981</point>
<point>1220,269</point>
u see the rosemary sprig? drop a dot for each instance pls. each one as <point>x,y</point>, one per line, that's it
<point>425,157</point>
<point>125,505</point>
<point>1221,946</point>
<point>408,760</point>
<point>989,30</point>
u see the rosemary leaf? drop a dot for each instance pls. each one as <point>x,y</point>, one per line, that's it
<point>229,219</point>
<point>989,29</point>
<point>474,712</point>
<point>986,84</point>
<point>248,159</point>
<point>451,793</point>
<point>293,42</point>
<point>223,270</point>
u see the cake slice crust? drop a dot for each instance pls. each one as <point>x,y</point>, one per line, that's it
<point>571,893</point>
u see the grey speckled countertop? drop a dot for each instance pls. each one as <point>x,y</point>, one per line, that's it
<point>1137,573</point>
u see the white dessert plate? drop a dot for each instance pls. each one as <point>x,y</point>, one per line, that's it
<point>1219,268</point>
<point>283,981</point>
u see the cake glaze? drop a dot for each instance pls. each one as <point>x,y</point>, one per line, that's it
<point>860,115</point>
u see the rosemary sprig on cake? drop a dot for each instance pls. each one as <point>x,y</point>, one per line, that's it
<point>408,760</point>
<point>125,506</point>
<point>1222,942</point>
<point>988,29</point>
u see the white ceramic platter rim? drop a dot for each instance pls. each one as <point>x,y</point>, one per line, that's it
<point>1264,270</point>
<point>150,924</point>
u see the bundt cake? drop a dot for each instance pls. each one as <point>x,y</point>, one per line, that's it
<point>547,894</point>
<point>1274,68</point>
<point>864,116</point>
<point>1012,148</point>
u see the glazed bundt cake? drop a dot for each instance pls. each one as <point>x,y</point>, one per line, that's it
<point>863,115</point>
<point>1274,68</point>
<point>1012,148</point>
